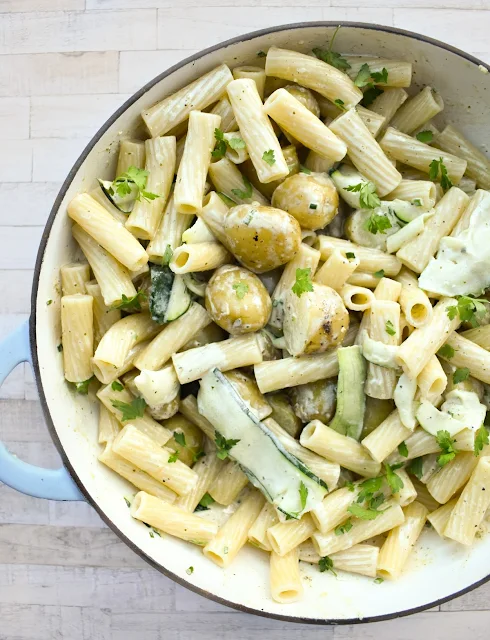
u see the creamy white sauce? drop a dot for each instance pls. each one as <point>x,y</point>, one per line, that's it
<point>461,410</point>
<point>384,355</point>
<point>404,398</point>
<point>462,262</point>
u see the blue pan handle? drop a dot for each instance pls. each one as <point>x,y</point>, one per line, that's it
<point>53,484</point>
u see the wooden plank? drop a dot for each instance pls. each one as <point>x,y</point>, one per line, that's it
<point>476,600</point>
<point>55,31</point>
<point>53,158</point>
<point>15,286</point>
<point>28,203</point>
<point>11,6</point>
<point>14,118</point>
<point>58,74</point>
<point>17,508</point>
<point>22,421</point>
<point>16,161</point>
<point>19,247</point>
<point>138,67</point>
<point>66,546</point>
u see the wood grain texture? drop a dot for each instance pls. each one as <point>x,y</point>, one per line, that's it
<point>65,66</point>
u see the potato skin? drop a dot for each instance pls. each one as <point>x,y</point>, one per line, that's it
<point>315,401</point>
<point>298,192</point>
<point>241,310</point>
<point>261,238</point>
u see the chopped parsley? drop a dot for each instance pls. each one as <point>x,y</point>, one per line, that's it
<point>134,409</point>
<point>303,495</point>
<point>326,564</point>
<point>332,57</point>
<point>340,104</point>
<point>124,184</point>
<point>240,289</point>
<point>368,198</point>
<point>49,302</point>
<point>380,76</point>
<point>198,455</point>
<point>131,304</point>
<point>220,148</point>
<point>403,449</point>
<point>377,223</point>
<point>261,54</point>
<point>416,467</point>
<point>116,386</point>
<point>390,329</point>
<point>204,503</point>
<point>235,142</point>
<point>363,78</point>
<point>228,201</point>
<point>303,282</point>
<point>179,438</point>
<point>446,351</point>
<point>313,206</point>
<point>379,274</point>
<point>369,487</point>
<point>393,479</point>
<point>437,167</point>
<point>362,513</point>
<point>223,446</point>
<point>445,442</point>
<point>461,374</point>
<point>370,95</point>
<point>245,194</point>
<point>417,202</point>
<point>378,580</point>
<point>82,387</point>
<point>60,347</point>
<point>127,501</point>
<point>168,254</point>
<point>425,136</point>
<point>481,439</point>
<point>350,256</point>
<point>190,571</point>
<point>345,527</point>
<point>268,156</point>
<point>173,457</point>
<point>469,309</point>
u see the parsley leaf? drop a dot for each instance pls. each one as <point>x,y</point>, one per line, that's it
<point>223,445</point>
<point>313,206</point>
<point>247,193</point>
<point>445,442</point>
<point>190,571</point>
<point>481,439</point>
<point>268,156</point>
<point>350,256</point>
<point>369,487</point>
<point>82,387</point>
<point>134,409</point>
<point>368,198</point>
<point>303,282</point>
<point>220,148</point>
<point>131,304</point>
<point>437,166</point>
<point>380,76</point>
<point>470,309</point>
<point>197,456</point>
<point>403,449</point>
<point>123,184</point>
<point>377,224</point>
<point>261,54</point>
<point>370,95</point>
<point>417,202</point>
<point>425,136</point>
<point>461,374</point>
<point>378,580</point>
<point>303,495</point>
<point>179,438</point>
<point>228,201</point>
<point>393,479</point>
<point>174,457</point>
<point>116,386</point>
<point>390,329</point>
<point>340,103</point>
<point>326,564</point>
<point>363,77</point>
<point>363,513</point>
<point>60,347</point>
<point>332,57</point>
<point>343,528</point>
<point>204,503</point>
<point>379,274</point>
<point>241,289</point>
<point>446,351</point>
<point>168,254</point>
<point>415,467</point>
<point>236,142</point>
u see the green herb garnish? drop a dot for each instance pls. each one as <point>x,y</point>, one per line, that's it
<point>131,304</point>
<point>179,438</point>
<point>377,224</point>
<point>326,564</point>
<point>82,387</point>
<point>445,442</point>
<point>116,386</point>
<point>268,156</point>
<point>446,351</point>
<point>460,375</point>
<point>436,167</point>
<point>403,449</point>
<point>425,136</point>
<point>124,184</point>
<point>303,282</point>
<point>130,411</point>
<point>220,148</point>
<point>368,198</point>
<point>481,439</point>
<point>241,289</point>
<point>303,495</point>
<point>340,104</point>
<point>247,193</point>
<point>332,57</point>
<point>379,274</point>
<point>390,329</point>
<point>416,467</point>
<point>393,479</point>
<point>469,309</point>
<point>223,445</point>
<point>344,527</point>
<point>174,457</point>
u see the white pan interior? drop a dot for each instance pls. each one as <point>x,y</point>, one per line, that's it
<point>437,569</point>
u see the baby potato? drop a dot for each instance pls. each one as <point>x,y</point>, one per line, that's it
<point>306,97</point>
<point>311,198</point>
<point>315,401</point>
<point>314,321</point>
<point>261,238</point>
<point>247,388</point>
<point>237,300</point>
<point>283,414</point>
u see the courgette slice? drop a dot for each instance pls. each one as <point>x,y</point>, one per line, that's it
<point>123,203</point>
<point>284,480</point>
<point>169,298</point>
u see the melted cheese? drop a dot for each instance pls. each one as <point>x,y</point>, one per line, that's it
<point>461,265</point>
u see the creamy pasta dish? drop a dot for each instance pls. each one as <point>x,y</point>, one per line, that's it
<point>279,308</point>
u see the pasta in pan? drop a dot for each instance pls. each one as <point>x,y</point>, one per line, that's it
<point>283,324</point>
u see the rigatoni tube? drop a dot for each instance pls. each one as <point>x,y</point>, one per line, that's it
<point>193,168</point>
<point>297,120</point>
<point>418,110</point>
<point>74,276</point>
<point>452,141</point>
<point>169,234</point>
<point>262,143</point>
<point>201,256</point>
<point>107,231</point>
<point>131,154</point>
<point>77,335</point>
<point>285,577</point>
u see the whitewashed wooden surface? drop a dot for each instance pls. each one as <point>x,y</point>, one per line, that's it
<point>65,65</point>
